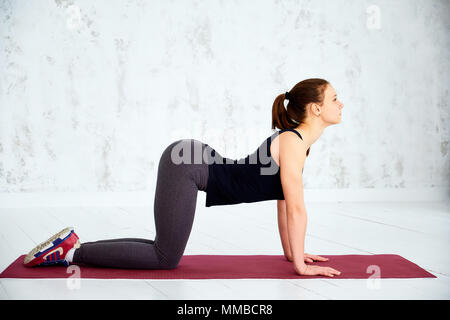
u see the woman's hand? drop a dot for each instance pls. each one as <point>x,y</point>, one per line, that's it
<point>308,270</point>
<point>312,258</point>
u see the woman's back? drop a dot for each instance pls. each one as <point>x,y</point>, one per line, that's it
<point>253,178</point>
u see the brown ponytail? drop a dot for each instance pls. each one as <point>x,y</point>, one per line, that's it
<point>303,93</point>
<point>280,116</point>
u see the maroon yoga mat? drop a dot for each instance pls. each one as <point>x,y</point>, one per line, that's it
<point>235,267</point>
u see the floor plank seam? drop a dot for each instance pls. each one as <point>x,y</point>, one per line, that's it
<point>383,224</point>
<point>156,289</point>
<point>338,243</point>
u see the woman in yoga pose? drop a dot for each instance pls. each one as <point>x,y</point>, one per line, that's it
<point>273,172</point>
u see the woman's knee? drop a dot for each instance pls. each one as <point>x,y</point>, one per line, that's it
<point>171,262</point>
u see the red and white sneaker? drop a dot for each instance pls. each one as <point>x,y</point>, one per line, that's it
<point>54,250</point>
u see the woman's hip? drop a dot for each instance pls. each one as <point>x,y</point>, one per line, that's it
<point>185,159</point>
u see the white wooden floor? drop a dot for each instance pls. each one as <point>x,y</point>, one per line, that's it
<point>419,232</point>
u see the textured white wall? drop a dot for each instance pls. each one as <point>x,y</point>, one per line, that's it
<point>91,92</point>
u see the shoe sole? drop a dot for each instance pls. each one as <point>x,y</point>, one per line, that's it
<point>49,243</point>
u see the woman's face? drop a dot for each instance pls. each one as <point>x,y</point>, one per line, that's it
<point>331,110</point>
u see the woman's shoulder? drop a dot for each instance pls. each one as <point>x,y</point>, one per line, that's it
<point>289,143</point>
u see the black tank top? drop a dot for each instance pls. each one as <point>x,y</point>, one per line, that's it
<point>253,178</point>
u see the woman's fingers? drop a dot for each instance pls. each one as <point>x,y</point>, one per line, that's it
<point>319,258</point>
<point>316,270</point>
<point>316,258</point>
<point>330,272</point>
<point>334,271</point>
<point>327,273</point>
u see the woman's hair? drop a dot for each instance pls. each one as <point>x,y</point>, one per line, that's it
<point>303,93</point>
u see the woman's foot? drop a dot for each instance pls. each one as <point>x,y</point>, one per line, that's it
<point>54,250</point>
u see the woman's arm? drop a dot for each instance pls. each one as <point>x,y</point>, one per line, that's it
<point>292,157</point>
<point>296,221</point>
<point>283,229</point>
<point>292,154</point>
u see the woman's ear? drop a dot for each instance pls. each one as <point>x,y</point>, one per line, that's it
<point>315,109</point>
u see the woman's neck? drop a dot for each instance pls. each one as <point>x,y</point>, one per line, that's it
<point>310,131</point>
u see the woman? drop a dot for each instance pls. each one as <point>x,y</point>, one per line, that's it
<point>186,166</point>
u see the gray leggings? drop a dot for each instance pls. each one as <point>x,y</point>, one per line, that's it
<point>174,209</point>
